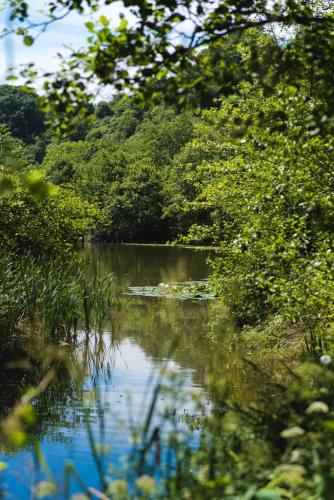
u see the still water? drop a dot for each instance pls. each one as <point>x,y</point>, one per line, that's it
<point>107,379</point>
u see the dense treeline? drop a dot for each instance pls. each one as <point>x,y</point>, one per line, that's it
<point>120,165</point>
<point>249,172</point>
<point>252,175</point>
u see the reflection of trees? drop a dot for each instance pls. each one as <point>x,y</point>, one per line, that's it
<point>154,323</point>
<point>64,405</point>
<point>17,371</point>
<point>88,359</point>
<point>157,323</point>
<point>148,265</point>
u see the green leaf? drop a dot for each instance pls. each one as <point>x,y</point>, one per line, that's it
<point>28,40</point>
<point>90,25</point>
<point>3,466</point>
<point>104,20</point>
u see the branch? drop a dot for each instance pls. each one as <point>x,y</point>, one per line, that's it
<point>42,25</point>
<point>272,19</point>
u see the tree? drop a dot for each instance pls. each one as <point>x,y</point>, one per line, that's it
<point>133,207</point>
<point>12,152</point>
<point>121,167</point>
<point>19,111</point>
<point>267,185</point>
<point>155,54</point>
<point>34,215</point>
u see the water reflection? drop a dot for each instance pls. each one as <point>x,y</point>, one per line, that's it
<point>148,265</point>
<point>116,364</point>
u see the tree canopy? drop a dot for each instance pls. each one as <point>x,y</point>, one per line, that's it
<point>20,112</point>
<point>248,169</point>
<point>161,49</point>
<point>231,147</point>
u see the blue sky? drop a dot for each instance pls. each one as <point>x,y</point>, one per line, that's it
<point>70,31</point>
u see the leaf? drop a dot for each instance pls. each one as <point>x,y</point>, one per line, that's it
<point>90,25</point>
<point>3,466</point>
<point>104,20</point>
<point>28,40</point>
<point>328,424</point>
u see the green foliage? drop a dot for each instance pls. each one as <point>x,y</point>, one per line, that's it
<point>19,111</point>
<point>12,152</point>
<point>34,219</point>
<point>278,448</point>
<point>181,50</point>
<point>271,206</point>
<point>134,204</point>
<point>121,167</point>
<point>252,175</point>
<point>184,182</point>
<point>36,215</point>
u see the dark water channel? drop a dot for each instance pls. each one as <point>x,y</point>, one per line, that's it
<point>112,373</point>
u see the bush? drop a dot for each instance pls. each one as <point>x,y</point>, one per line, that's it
<point>271,207</point>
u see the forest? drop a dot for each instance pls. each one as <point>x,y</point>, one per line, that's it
<point>227,147</point>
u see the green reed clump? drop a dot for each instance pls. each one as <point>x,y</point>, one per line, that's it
<point>98,295</point>
<point>56,295</point>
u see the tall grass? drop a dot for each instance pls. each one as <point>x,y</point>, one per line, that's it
<point>55,295</point>
<point>276,448</point>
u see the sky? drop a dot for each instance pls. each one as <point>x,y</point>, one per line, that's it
<point>68,32</point>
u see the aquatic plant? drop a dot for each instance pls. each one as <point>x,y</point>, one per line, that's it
<point>187,290</point>
<point>55,295</point>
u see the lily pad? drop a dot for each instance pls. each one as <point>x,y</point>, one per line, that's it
<point>186,290</point>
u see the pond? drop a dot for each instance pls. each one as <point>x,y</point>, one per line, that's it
<point>112,374</point>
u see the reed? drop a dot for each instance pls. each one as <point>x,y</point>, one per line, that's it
<point>54,295</point>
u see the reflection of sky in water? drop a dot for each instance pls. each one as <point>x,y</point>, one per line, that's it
<point>122,370</point>
<point>122,396</point>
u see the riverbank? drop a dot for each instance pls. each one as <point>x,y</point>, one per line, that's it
<point>169,245</point>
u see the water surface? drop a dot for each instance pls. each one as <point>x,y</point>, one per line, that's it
<point>115,371</point>
<point>119,366</point>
